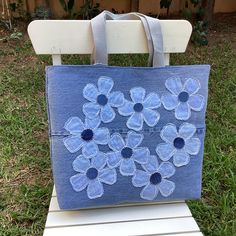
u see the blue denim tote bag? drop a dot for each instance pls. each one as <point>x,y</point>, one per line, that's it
<point>126,134</point>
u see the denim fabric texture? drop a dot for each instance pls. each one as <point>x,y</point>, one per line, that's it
<point>99,152</point>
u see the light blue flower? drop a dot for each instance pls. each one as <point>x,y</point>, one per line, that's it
<point>92,174</point>
<point>141,109</point>
<point>102,100</point>
<point>154,178</point>
<point>183,98</point>
<point>85,135</point>
<point>180,144</point>
<point>126,153</point>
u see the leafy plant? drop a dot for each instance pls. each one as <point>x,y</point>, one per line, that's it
<point>41,13</point>
<point>200,26</point>
<point>68,7</point>
<point>88,10</point>
<point>199,35</point>
<point>16,35</point>
<point>13,36</point>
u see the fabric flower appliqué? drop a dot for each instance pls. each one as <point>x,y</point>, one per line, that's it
<point>102,100</point>
<point>126,153</point>
<point>180,144</point>
<point>85,135</point>
<point>92,175</point>
<point>141,109</point>
<point>155,179</point>
<point>182,98</point>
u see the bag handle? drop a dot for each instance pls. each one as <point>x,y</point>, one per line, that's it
<point>152,30</point>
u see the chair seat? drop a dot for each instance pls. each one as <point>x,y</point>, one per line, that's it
<point>166,218</point>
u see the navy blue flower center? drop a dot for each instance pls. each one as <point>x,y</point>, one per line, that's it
<point>183,96</point>
<point>92,173</point>
<point>126,152</point>
<point>155,178</point>
<point>102,99</point>
<point>138,107</point>
<point>179,143</point>
<point>87,135</point>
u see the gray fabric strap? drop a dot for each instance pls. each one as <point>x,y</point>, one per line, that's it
<point>152,30</point>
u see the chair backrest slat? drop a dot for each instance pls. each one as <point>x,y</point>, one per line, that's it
<point>56,37</point>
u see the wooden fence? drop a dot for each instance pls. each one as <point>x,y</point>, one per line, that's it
<point>144,6</point>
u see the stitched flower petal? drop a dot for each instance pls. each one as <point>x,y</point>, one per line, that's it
<point>169,133</point>
<point>105,84</point>
<point>108,176</point>
<point>150,117</point>
<point>182,111</point>
<point>91,110</point>
<point>141,155</point>
<point>101,136</point>
<point>192,146</point>
<point>165,151</point>
<point>73,143</point>
<point>181,158</point>
<point>79,182</point>
<point>187,130</point>
<point>116,99</point>
<point>169,101</point>
<point>74,125</point>
<point>126,109</point>
<point>149,192</point>
<point>166,187</point>
<point>140,178</point>
<point>166,169</point>
<point>135,122</point>
<point>152,101</point>
<point>95,189</point>
<point>90,92</point>
<point>99,161</point>
<point>127,167</point>
<point>90,149</point>
<point>196,102</point>
<point>107,114</point>
<point>133,139</point>
<point>116,142</point>
<point>152,165</point>
<point>191,86</point>
<point>174,85</point>
<point>92,123</point>
<point>113,159</point>
<point>137,94</point>
<point>81,164</point>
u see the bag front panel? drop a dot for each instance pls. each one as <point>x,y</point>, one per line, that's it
<point>66,99</point>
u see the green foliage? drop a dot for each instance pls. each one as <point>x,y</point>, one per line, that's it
<point>68,6</point>
<point>199,35</point>
<point>16,35</point>
<point>41,13</point>
<point>88,10</point>
<point>187,13</point>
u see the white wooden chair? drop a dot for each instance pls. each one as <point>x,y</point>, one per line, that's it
<point>57,37</point>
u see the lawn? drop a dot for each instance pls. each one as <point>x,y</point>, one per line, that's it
<point>25,171</point>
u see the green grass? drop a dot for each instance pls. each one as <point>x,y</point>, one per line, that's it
<point>25,172</point>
